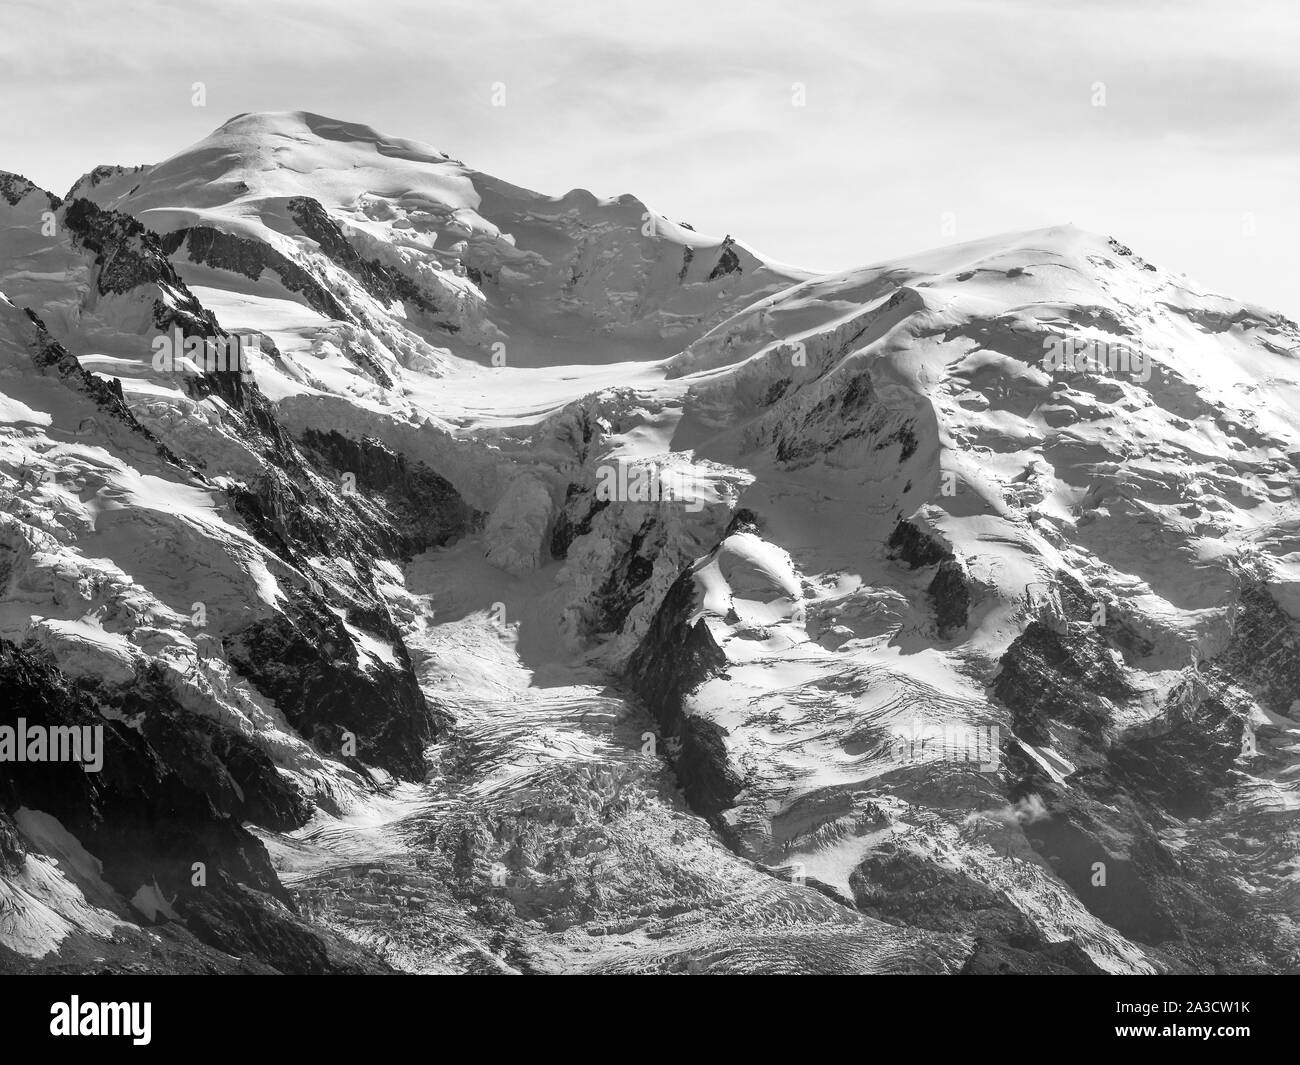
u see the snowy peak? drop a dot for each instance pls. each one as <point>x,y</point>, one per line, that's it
<point>503,272</point>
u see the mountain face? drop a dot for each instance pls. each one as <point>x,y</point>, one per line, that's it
<point>451,578</point>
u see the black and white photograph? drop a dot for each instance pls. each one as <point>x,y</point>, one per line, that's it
<point>650,488</point>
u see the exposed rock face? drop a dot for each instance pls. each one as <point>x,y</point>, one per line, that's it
<point>624,531</point>
<point>950,597</point>
<point>384,283</point>
<point>243,922</point>
<point>949,591</point>
<point>131,260</point>
<point>415,507</point>
<point>574,519</point>
<point>1106,827</point>
<point>127,256</point>
<point>208,780</point>
<point>225,251</point>
<point>1185,762</point>
<point>1067,677</point>
<point>303,656</point>
<point>675,657</point>
<point>852,412</point>
<point>1263,656</point>
<point>897,885</point>
<point>114,811</point>
<point>400,508</point>
<point>728,263</point>
<point>304,659</point>
<point>916,548</point>
<point>624,585</point>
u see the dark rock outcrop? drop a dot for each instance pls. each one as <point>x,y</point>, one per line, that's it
<point>918,549</point>
<point>674,658</point>
<point>1105,830</point>
<point>224,251</point>
<point>1263,656</point>
<point>387,284</point>
<point>416,507</point>
<point>1069,677</point>
<point>574,520</point>
<point>115,812</point>
<point>896,885</point>
<point>949,589</point>
<point>129,257</point>
<point>728,262</point>
<point>171,793</point>
<point>949,597</point>
<point>305,659</point>
<point>850,412</point>
<point>244,922</point>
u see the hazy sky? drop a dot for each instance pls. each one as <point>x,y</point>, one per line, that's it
<point>981,113</point>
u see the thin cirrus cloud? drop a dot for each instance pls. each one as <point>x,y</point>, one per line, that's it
<point>982,110</point>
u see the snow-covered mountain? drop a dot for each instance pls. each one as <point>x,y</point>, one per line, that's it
<point>518,583</point>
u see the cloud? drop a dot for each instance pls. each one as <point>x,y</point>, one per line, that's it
<point>979,109</point>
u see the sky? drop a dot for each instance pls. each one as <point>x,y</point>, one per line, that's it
<point>826,134</point>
